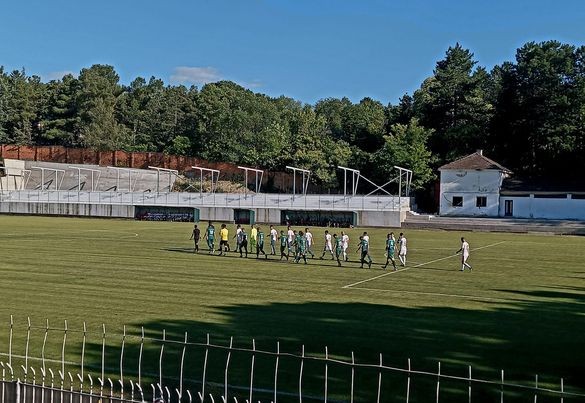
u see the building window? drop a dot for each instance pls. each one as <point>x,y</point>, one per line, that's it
<point>481,201</point>
<point>457,201</point>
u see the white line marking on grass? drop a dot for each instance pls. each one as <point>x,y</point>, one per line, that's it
<point>418,265</point>
<point>439,294</point>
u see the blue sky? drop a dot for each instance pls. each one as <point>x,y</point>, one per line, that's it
<point>305,49</point>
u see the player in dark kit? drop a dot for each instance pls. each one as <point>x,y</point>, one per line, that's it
<point>210,237</point>
<point>365,247</point>
<point>390,249</point>
<point>301,245</point>
<point>338,248</point>
<point>244,242</point>
<point>283,245</point>
<point>260,243</point>
<point>196,236</point>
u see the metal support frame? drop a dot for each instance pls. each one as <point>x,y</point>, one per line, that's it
<point>171,172</point>
<point>213,180</point>
<point>24,174</point>
<point>94,184</point>
<point>57,183</point>
<point>306,176</point>
<point>122,169</point>
<point>355,177</point>
<point>257,183</point>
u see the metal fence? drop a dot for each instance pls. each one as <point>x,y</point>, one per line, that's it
<point>66,365</point>
<point>233,200</point>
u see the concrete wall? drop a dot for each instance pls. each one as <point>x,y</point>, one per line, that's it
<point>561,208</point>
<point>68,209</point>
<point>469,184</point>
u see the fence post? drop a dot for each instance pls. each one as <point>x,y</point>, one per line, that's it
<point>83,349</point>
<point>27,344</point>
<point>182,367</point>
<point>301,375</point>
<point>122,354</point>
<point>379,380</point>
<point>326,370</point>
<point>63,350</point>
<point>227,365</point>
<point>536,388</point>
<point>160,358</point>
<point>352,376</point>
<point>140,357</point>
<point>10,341</point>
<point>276,369</point>
<point>202,396</point>
<point>252,370</point>
<point>17,391</point>
<point>408,383</point>
<point>469,388</point>
<point>438,382</point>
<point>562,390</point>
<point>103,352</point>
<point>44,344</point>
<point>502,387</point>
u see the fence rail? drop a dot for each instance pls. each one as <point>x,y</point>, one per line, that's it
<point>226,372</point>
<point>232,200</point>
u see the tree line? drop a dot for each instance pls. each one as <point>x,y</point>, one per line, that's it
<point>528,114</point>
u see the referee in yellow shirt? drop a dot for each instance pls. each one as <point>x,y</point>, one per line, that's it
<point>224,246</point>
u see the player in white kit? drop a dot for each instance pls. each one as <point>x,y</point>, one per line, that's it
<point>291,239</point>
<point>309,238</point>
<point>273,239</point>
<point>328,246</point>
<point>402,249</point>
<point>464,254</point>
<point>344,245</point>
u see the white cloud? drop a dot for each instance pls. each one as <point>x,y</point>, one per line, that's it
<point>195,75</point>
<point>57,75</point>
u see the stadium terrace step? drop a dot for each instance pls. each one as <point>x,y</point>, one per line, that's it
<point>425,221</point>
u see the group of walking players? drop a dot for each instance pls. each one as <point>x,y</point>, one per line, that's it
<point>296,245</point>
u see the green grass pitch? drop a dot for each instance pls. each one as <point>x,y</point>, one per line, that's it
<point>521,309</point>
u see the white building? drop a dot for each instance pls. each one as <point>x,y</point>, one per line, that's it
<point>475,186</point>
<point>470,186</point>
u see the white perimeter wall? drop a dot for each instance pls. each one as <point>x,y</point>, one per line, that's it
<point>534,207</point>
<point>470,184</point>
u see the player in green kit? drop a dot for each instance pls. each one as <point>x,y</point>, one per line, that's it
<point>337,244</point>
<point>260,243</point>
<point>301,247</point>
<point>365,247</point>
<point>210,237</point>
<point>296,243</point>
<point>283,245</point>
<point>390,246</point>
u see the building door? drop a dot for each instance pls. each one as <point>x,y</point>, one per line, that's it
<point>508,208</point>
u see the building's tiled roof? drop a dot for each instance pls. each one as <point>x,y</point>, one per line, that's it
<point>475,161</point>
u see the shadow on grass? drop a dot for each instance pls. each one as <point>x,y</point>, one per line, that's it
<point>543,333</point>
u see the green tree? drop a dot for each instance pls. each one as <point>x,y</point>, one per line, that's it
<point>406,146</point>
<point>61,121</point>
<point>96,102</point>
<point>538,127</point>
<point>453,103</point>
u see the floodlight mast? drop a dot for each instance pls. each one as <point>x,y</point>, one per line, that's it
<point>306,175</point>
<point>257,171</point>
<point>158,171</point>
<point>355,177</point>
<point>213,181</point>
